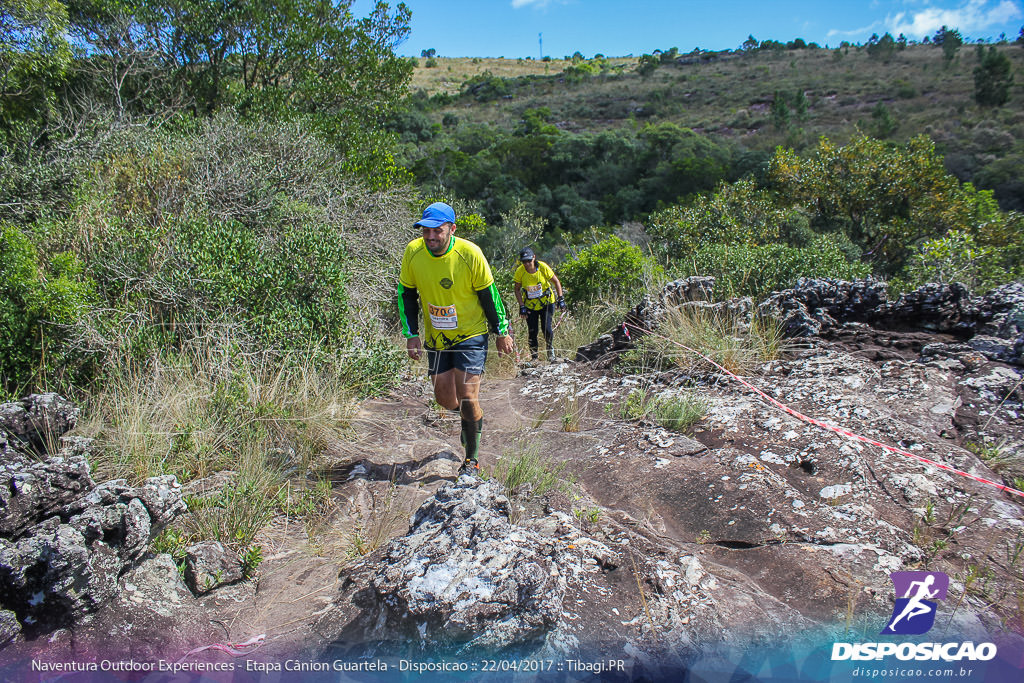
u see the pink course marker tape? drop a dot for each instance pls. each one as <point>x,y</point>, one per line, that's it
<point>838,430</point>
<point>233,649</point>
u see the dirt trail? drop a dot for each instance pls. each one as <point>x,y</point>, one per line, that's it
<point>399,450</point>
<point>795,523</point>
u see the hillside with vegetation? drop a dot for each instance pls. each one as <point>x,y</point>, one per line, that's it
<point>202,210</point>
<point>851,142</point>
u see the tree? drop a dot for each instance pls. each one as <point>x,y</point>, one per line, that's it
<point>669,55</point>
<point>950,41</point>
<point>881,48</point>
<point>885,197</point>
<point>427,54</point>
<point>992,79</point>
<point>125,65</point>
<point>786,108</point>
<point>647,64</point>
<point>750,44</point>
<point>280,56</point>
<point>885,124</point>
<point>272,58</point>
<point>780,111</point>
<point>799,102</point>
<point>34,57</point>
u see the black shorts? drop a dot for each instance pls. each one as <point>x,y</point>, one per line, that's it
<point>468,356</point>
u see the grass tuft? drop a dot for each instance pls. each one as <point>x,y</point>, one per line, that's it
<point>211,408</point>
<point>676,412</point>
<point>525,474</point>
<point>725,338</point>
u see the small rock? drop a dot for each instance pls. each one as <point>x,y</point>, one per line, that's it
<point>210,564</point>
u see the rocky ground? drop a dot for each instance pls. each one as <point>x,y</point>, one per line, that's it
<point>753,528</point>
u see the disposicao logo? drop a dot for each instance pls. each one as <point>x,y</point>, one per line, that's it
<point>914,614</point>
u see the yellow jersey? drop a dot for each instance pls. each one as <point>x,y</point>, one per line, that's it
<point>449,288</point>
<point>536,287</point>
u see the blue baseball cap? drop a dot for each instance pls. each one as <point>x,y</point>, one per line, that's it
<point>436,215</point>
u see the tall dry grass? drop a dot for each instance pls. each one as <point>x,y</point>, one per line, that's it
<point>210,408</point>
<point>723,336</point>
<point>267,417</point>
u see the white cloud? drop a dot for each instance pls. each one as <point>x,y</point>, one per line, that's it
<point>857,32</point>
<point>516,4</point>
<point>972,16</point>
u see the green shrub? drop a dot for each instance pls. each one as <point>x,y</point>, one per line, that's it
<point>608,270</point>
<point>486,87</point>
<point>39,303</point>
<point>958,257</point>
<point>757,270</point>
<point>221,230</point>
<point>579,72</point>
<point>886,198</point>
<point>736,213</point>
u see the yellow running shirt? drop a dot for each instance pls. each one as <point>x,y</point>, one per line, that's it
<point>447,287</point>
<point>537,291</point>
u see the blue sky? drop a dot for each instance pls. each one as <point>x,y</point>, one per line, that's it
<point>510,28</point>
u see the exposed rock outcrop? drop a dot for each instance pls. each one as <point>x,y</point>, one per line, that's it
<point>463,575</point>
<point>992,324</point>
<point>209,565</point>
<point>31,490</point>
<point>818,304</point>
<point>946,307</point>
<point>38,420</point>
<point>64,541</point>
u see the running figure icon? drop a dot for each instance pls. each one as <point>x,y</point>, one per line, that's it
<point>914,613</point>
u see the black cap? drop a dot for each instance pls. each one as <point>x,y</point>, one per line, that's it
<point>526,254</point>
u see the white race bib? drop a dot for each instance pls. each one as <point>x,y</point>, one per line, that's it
<point>534,291</point>
<point>443,317</point>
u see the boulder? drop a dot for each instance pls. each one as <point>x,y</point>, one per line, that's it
<point>10,627</point>
<point>938,307</point>
<point>68,564</point>
<point>31,491</point>
<point>689,289</point>
<point>1001,312</point>
<point>38,420</point>
<point>209,565</point>
<point>1003,350</point>
<point>463,575</point>
<point>151,616</point>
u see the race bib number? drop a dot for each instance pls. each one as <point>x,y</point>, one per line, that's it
<point>534,291</point>
<point>443,317</point>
